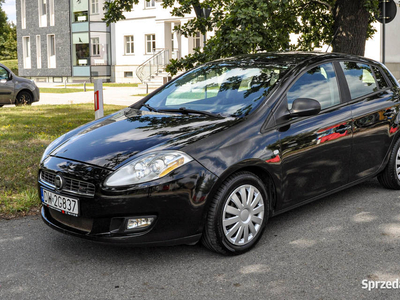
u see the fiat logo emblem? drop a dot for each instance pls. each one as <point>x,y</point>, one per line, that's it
<point>59,182</point>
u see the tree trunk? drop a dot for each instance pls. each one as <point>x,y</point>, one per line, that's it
<point>350,26</point>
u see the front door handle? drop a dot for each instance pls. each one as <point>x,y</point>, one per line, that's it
<point>342,128</point>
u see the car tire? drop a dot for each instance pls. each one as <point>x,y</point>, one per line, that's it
<point>234,225</point>
<point>390,176</point>
<point>23,98</point>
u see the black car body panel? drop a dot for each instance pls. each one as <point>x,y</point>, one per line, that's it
<point>299,159</point>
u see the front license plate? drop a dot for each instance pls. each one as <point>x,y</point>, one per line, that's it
<point>65,205</point>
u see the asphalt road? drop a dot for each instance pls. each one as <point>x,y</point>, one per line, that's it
<point>319,251</point>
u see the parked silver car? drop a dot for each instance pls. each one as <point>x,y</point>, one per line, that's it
<point>16,90</point>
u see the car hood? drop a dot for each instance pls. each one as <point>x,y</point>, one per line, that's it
<point>116,138</point>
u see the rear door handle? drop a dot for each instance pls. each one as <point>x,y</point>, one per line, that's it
<point>389,112</point>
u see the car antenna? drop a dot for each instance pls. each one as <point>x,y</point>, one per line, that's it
<point>334,36</point>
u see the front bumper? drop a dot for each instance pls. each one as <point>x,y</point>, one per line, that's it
<point>178,202</point>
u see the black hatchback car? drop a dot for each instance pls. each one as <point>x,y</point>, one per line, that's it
<point>213,154</point>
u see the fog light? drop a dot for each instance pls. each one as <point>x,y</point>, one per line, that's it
<point>139,223</point>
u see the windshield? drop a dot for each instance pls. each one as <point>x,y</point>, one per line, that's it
<point>218,89</point>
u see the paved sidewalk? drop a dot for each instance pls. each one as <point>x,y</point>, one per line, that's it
<point>112,95</point>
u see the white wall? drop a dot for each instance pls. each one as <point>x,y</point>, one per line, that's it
<point>140,22</point>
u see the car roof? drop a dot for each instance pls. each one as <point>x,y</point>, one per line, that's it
<point>290,59</point>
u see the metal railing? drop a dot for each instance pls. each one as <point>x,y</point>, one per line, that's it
<point>153,66</point>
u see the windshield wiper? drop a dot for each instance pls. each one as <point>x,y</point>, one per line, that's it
<point>185,110</point>
<point>149,107</point>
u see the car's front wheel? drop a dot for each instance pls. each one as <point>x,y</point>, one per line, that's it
<point>390,176</point>
<point>23,98</point>
<point>238,215</point>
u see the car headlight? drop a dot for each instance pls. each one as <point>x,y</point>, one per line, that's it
<point>50,147</point>
<point>147,168</point>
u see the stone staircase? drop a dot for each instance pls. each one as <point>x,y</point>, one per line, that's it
<point>157,80</point>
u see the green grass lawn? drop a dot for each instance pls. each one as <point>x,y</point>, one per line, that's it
<point>25,132</point>
<point>11,64</point>
<point>62,90</point>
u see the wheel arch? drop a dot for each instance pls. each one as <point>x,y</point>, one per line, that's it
<point>255,167</point>
<point>21,91</point>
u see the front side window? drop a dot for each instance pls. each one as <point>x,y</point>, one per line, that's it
<point>129,45</point>
<point>319,83</point>
<point>219,88</point>
<point>3,73</point>
<point>359,78</point>
<point>150,43</point>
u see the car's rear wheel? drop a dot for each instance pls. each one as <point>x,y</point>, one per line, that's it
<point>23,98</point>
<point>390,176</point>
<point>238,215</point>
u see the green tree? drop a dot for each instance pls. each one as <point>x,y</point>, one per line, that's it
<point>247,26</point>
<point>10,44</point>
<point>8,37</point>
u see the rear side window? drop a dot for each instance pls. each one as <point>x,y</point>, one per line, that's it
<point>360,79</point>
<point>380,78</point>
<point>319,84</point>
<point>390,76</point>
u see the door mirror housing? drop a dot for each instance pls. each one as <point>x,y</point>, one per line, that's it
<point>10,76</point>
<point>303,107</point>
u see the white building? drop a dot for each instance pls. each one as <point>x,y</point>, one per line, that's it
<point>56,46</point>
<point>147,30</point>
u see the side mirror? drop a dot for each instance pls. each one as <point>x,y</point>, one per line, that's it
<point>303,107</point>
<point>10,76</point>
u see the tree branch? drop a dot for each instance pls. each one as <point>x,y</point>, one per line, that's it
<point>328,6</point>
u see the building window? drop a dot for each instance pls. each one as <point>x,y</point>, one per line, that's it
<point>150,43</point>
<point>96,46</point>
<point>197,40</point>
<point>150,4</point>
<point>94,6</point>
<point>129,44</point>
<point>51,51</point>
<point>26,49</point>
<point>23,14</point>
<point>51,9</point>
<point>81,49</point>
<point>128,74</point>
<point>42,13</point>
<point>80,10</point>
<point>38,52</point>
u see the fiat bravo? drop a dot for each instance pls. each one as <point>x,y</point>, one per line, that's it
<point>213,154</point>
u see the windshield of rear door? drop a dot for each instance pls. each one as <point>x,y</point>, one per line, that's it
<point>228,90</point>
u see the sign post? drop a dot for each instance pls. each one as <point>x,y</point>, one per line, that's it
<point>388,11</point>
<point>98,99</point>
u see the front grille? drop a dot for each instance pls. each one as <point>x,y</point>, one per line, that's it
<point>71,185</point>
<point>83,224</point>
